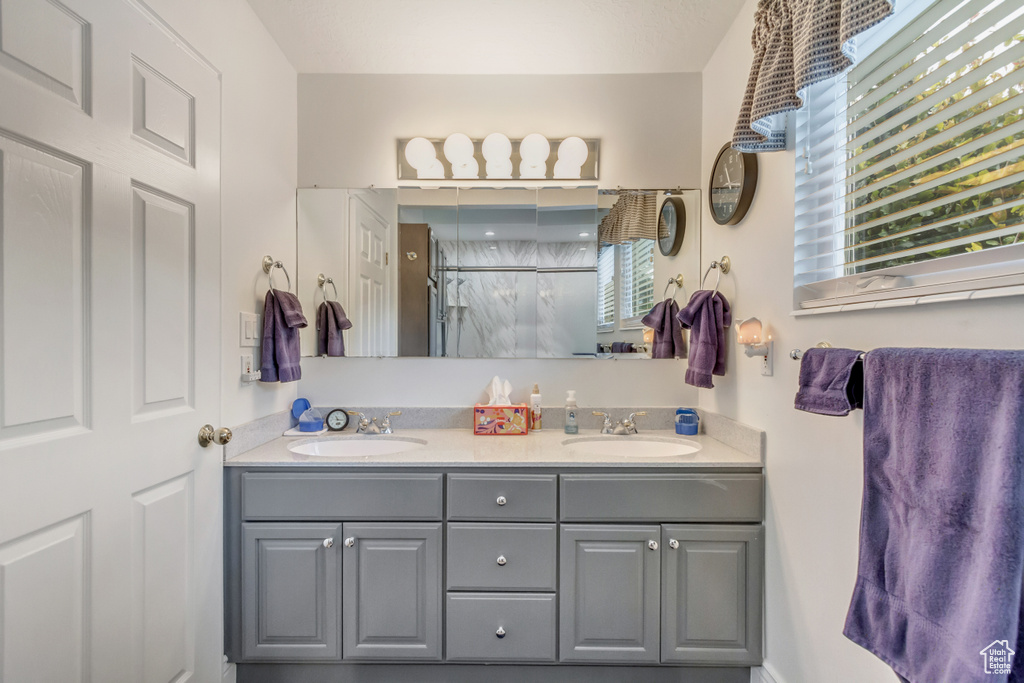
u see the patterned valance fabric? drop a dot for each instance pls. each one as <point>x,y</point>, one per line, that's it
<point>632,217</point>
<point>796,43</point>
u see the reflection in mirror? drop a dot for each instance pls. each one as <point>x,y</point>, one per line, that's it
<point>490,273</point>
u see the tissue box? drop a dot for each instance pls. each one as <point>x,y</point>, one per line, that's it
<point>500,420</point>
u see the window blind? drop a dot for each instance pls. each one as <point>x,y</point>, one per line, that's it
<point>606,287</point>
<point>917,152</point>
<point>637,277</point>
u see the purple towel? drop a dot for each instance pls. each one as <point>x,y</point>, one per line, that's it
<point>282,318</point>
<point>938,588</point>
<point>706,316</point>
<point>831,382</point>
<point>330,321</point>
<point>668,335</point>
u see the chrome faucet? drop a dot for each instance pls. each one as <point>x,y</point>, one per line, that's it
<point>368,426</point>
<point>623,427</point>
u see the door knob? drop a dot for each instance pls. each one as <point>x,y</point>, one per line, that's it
<point>501,560</point>
<point>673,543</point>
<point>328,542</point>
<point>500,632</point>
<point>501,500</point>
<point>653,545</point>
<point>350,541</point>
<point>208,435</point>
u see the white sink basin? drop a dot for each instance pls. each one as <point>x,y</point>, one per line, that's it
<point>633,446</point>
<point>356,447</point>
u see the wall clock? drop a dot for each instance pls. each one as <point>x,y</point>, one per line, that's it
<point>671,226</point>
<point>733,179</point>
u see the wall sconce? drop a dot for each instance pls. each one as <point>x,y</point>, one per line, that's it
<point>757,339</point>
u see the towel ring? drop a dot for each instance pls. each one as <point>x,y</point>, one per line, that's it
<point>268,267</point>
<point>721,266</point>
<point>677,281</point>
<point>322,281</point>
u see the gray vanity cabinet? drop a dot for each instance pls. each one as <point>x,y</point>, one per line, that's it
<point>392,591</point>
<point>711,594</point>
<point>291,591</point>
<point>609,593</point>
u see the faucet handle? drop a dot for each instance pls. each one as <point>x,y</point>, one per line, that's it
<point>394,413</point>
<point>639,413</point>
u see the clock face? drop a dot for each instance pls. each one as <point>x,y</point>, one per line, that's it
<point>732,185</point>
<point>337,420</point>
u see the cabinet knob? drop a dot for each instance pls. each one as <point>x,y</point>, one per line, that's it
<point>673,543</point>
<point>653,545</point>
<point>501,500</point>
<point>328,542</point>
<point>500,632</point>
<point>501,560</point>
<point>350,541</point>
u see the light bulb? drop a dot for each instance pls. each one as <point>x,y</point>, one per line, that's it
<point>470,169</point>
<point>458,149</point>
<point>499,170</point>
<point>535,149</point>
<point>434,172</point>
<point>574,151</point>
<point>566,170</point>
<point>420,154</point>
<point>496,148</point>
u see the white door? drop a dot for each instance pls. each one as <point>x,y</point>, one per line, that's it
<point>110,512</point>
<point>369,233</point>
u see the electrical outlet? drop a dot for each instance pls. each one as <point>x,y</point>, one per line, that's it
<point>247,364</point>
<point>767,361</point>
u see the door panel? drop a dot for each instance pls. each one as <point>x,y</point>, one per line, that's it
<point>712,594</point>
<point>110,255</point>
<point>370,235</point>
<point>609,593</point>
<point>392,591</point>
<point>291,591</point>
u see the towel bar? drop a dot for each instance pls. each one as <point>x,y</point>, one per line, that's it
<point>322,281</point>
<point>723,265</point>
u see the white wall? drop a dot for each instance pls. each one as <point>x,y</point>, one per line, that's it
<point>258,175</point>
<point>814,463</point>
<point>650,129</point>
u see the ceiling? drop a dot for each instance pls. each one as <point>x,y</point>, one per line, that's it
<point>497,36</point>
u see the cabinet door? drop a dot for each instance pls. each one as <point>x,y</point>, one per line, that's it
<point>291,597</point>
<point>392,591</point>
<point>712,594</point>
<point>609,593</point>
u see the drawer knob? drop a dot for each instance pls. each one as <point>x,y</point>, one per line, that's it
<point>500,632</point>
<point>673,543</point>
<point>328,542</point>
<point>501,500</point>
<point>350,541</point>
<point>653,545</point>
<point>501,560</point>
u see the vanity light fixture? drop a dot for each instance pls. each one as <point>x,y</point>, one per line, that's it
<point>757,339</point>
<point>497,151</point>
<point>422,156</point>
<point>497,157</point>
<point>572,154</point>
<point>534,151</point>
<point>459,151</point>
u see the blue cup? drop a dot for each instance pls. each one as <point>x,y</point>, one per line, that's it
<point>687,421</point>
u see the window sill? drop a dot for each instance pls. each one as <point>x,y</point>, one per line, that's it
<point>912,300</point>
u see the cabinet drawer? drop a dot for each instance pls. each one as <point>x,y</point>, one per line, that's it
<point>287,496</point>
<point>501,557</point>
<point>662,497</point>
<point>512,498</point>
<point>526,622</point>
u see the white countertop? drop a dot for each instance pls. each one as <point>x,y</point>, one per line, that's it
<point>461,448</point>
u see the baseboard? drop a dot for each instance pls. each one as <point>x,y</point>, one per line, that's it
<point>228,673</point>
<point>761,674</point>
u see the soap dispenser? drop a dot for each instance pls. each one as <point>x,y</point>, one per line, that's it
<point>571,425</point>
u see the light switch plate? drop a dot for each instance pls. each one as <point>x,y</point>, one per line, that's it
<point>248,329</point>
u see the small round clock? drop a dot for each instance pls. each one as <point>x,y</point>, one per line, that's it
<point>337,420</point>
<point>733,179</point>
<point>671,225</point>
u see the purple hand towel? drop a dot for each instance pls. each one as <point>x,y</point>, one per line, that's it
<point>330,321</point>
<point>668,334</point>
<point>938,592</point>
<point>706,316</point>
<point>831,382</point>
<point>282,318</point>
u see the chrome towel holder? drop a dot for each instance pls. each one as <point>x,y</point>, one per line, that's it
<point>797,354</point>
<point>677,281</point>
<point>322,281</point>
<point>723,265</point>
<point>269,264</point>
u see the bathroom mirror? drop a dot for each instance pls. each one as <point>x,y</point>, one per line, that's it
<point>487,272</point>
